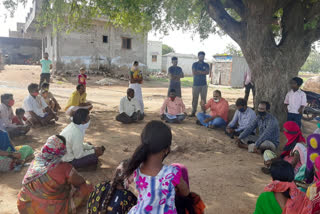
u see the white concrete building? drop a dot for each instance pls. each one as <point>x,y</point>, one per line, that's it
<point>154,60</point>
<point>100,47</point>
<point>185,61</point>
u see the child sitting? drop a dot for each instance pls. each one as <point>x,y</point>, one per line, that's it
<point>112,197</point>
<point>19,119</point>
<point>49,98</point>
<point>157,184</point>
<point>82,77</point>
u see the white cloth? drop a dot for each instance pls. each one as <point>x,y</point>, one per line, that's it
<point>247,77</point>
<point>295,100</point>
<point>129,106</point>
<point>138,94</point>
<point>76,148</point>
<point>36,105</point>
<point>6,114</point>
<point>317,131</point>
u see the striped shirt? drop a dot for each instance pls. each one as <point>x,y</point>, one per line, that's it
<point>268,130</point>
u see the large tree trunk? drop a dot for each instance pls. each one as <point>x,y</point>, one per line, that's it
<point>272,63</point>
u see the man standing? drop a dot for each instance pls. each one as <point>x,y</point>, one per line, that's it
<point>269,132</point>
<point>248,84</point>
<point>46,66</point>
<point>175,74</point>
<point>37,109</point>
<point>241,119</point>
<point>129,109</point>
<point>219,108</point>
<point>295,101</point>
<point>175,109</point>
<point>7,115</point>
<point>200,71</point>
<point>81,155</point>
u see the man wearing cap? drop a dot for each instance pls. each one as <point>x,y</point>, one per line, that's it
<point>200,71</point>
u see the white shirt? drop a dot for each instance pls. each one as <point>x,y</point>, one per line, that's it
<point>6,114</point>
<point>295,100</point>
<point>76,148</point>
<point>129,106</point>
<point>37,105</point>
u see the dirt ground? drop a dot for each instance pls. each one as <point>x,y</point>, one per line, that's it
<point>228,179</point>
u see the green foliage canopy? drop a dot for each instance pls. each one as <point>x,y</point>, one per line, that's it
<point>167,49</point>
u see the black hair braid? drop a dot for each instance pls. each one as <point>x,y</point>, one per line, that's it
<point>138,157</point>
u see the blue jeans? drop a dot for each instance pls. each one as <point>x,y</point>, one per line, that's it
<point>217,122</point>
<point>295,118</point>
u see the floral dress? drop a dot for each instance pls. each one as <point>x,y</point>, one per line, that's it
<point>157,193</point>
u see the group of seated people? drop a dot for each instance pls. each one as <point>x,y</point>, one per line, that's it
<point>52,183</point>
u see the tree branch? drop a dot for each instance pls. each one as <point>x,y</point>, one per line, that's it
<point>217,12</point>
<point>237,5</point>
<point>313,11</point>
<point>313,34</point>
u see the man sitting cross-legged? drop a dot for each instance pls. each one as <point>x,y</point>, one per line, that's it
<point>175,112</point>
<point>37,110</point>
<point>219,108</point>
<point>269,132</point>
<point>241,119</point>
<point>129,109</point>
<point>81,155</point>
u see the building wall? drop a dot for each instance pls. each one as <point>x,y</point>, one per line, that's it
<point>221,73</point>
<point>87,49</point>
<point>154,49</point>
<point>239,67</point>
<point>20,51</point>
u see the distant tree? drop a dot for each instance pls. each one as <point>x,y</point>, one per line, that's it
<point>233,50</point>
<point>167,49</point>
<point>313,62</point>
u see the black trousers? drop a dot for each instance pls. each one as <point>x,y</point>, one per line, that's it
<point>249,87</point>
<point>124,118</point>
<point>44,77</point>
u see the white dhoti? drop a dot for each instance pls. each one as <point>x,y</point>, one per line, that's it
<point>138,94</point>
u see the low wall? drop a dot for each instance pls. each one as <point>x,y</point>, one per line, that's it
<point>21,51</point>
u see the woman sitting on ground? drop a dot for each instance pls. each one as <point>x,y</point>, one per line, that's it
<point>12,157</point>
<point>295,150</point>
<point>155,182</point>
<point>113,197</point>
<point>52,186</point>
<point>282,195</point>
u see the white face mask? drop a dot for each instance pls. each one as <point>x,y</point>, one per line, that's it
<point>216,100</point>
<point>84,127</point>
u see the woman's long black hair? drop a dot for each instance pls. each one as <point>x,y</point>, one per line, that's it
<point>155,137</point>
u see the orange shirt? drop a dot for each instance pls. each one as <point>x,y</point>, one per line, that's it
<point>219,109</point>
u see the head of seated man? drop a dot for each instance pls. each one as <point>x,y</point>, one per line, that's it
<point>130,93</point>
<point>7,99</point>
<point>33,89</point>
<point>216,96</point>
<point>82,117</point>
<point>263,108</point>
<point>172,94</point>
<point>241,105</point>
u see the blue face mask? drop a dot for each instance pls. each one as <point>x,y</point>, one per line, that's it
<point>242,110</point>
